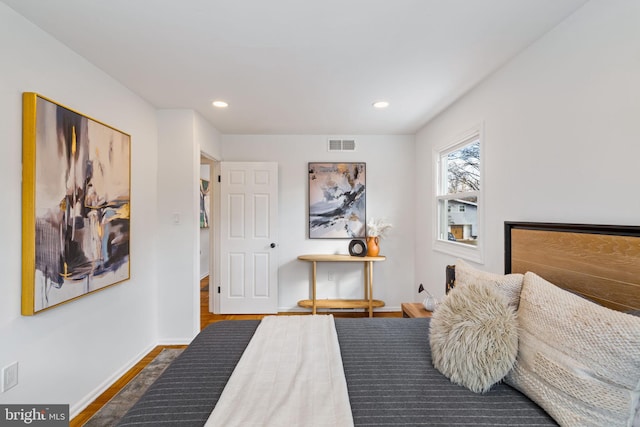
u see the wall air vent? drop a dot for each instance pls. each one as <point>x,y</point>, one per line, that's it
<point>342,145</point>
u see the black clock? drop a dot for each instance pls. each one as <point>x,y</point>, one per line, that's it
<point>357,248</point>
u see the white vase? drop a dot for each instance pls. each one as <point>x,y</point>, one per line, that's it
<point>430,303</point>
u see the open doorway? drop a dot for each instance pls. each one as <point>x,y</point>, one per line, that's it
<point>208,172</point>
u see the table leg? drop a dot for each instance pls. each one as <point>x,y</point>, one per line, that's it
<point>313,296</point>
<point>366,280</point>
<point>370,290</point>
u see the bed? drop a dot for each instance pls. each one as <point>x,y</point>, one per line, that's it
<point>387,361</point>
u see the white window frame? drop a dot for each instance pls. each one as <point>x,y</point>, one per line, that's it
<point>441,243</point>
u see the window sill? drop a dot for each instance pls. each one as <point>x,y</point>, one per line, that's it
<point>460,250</point>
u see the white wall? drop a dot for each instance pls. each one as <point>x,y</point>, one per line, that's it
<point>183,135</point>
<point>206,138</point>
<point>561,134</point>
<point>69,353</point>
<point>390,194</point>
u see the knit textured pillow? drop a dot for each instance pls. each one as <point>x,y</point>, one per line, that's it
<point>474,336</point>
<point>578,360</point>
<point>508,284</point>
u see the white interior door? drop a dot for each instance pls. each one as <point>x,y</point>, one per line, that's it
<point>248,237</point>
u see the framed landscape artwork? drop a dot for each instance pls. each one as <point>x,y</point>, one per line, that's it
<point>205,201</point>
<point>337,200</point>
<point>76,196</point>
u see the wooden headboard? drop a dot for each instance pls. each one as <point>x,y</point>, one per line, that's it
<point>600,262</point>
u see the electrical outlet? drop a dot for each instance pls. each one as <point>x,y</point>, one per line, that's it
<point>9,376</point>
<point>330,276</point>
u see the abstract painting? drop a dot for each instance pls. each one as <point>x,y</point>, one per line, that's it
<point>337,200</point>
<point>76,197</point>
<point>204,203</point>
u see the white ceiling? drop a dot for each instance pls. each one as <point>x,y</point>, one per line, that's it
<point>299,66</point>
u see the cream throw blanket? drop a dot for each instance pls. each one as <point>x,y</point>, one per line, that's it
<point>290,374</point>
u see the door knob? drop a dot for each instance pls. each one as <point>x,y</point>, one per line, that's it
<point>272,245</point>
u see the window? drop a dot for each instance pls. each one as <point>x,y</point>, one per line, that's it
<point>458,197</point>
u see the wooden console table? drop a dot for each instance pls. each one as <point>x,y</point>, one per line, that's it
<point>368,301</point>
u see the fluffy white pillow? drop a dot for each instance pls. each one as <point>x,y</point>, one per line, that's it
<point>576,359</point>
<point>474,336</point>
<point>509,284</point>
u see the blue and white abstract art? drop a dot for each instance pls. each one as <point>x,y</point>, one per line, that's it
<point>337,200</point>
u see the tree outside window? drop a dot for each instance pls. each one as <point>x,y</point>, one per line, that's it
<point>458,194</point>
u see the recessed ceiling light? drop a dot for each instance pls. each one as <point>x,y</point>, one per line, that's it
<point>220,104</point>
<point>381,104</point>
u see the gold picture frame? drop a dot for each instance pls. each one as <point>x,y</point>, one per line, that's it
<point>76,192</point>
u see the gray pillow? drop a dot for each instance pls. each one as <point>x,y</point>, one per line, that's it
<point>579,361</point>
<point>474,336</point>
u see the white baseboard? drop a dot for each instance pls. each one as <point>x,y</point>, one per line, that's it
<point>341,310</point>
<point>80,406</point>
<point>175,341</point>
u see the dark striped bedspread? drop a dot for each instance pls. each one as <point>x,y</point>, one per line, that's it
<point>187,391</point>
<point>389,374</point>
<point>392,381</point>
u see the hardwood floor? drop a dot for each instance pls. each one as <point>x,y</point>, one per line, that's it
<point>205,319</point>
<point>95,406</point>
